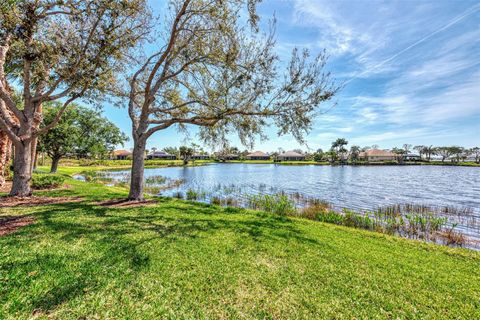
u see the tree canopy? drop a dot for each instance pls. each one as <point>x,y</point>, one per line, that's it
<point>214,71</point>
<point>59,50</point>
<point>81,132</point>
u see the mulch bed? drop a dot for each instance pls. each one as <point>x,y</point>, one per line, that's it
<point>8,202</point>
<point>11,224</point>
<point>125,203</point>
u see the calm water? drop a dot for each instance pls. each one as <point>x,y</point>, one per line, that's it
<point>361,187</point>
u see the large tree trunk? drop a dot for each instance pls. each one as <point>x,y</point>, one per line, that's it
<point>22,170</point>
<point>4,156</point>
<point>138,165</point>
<point>54,167</point>
<point>34,153</point>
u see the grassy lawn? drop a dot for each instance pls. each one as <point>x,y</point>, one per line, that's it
<point>183,260</point>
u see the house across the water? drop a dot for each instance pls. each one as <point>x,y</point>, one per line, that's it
<point>257,155</point>
<point>412,157</point>
<point>377,155</point>
<point>291,156</point>
<point>161,155</point>
<point>200,157</point>
<point>121,154</point>
<point>230,156</point>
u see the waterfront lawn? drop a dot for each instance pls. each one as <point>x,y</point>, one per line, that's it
<point>180,259</point>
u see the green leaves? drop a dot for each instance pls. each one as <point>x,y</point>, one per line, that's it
<point>81,132</point>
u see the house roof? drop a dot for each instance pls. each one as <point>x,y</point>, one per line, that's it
<point>161,153</point>
<point>291,154</point>
<point>257,154</point>
<point>377,153</point>
<point>121,153</point>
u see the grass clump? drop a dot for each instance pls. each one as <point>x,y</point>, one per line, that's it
<point>277,203</point>
<point>47,181</point>
<point>155,180</point>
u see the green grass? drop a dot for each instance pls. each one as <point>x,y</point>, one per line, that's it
<point>184,260</point>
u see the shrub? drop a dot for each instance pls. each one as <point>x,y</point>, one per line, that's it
<point>47,181</point>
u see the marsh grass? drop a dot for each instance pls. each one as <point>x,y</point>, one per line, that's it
<point>277,203</point>
<point>157,179</point>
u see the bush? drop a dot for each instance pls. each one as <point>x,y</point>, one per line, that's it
<point>47,181</point>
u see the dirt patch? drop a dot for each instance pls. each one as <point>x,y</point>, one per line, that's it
<point>125,203</point>
<point>8,202</point>
<point>6,187</point>
<point>11,224</point>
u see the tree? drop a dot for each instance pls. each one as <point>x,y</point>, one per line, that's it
<point>80,132</point>
<point>444,152</point>
<point>400,153</point>
<point>457,151</point>
<point>475,151</point>
<point>354,152</point>
<point>339,147</point>
<point>332,155</point>
<point>172,150</point>
<point>5,155</point>
<point>318,155</point>
<point>58,51</point>
<point>429,151</point>
<point>420,149</point>
<point>407,147</point>
<point>222,77</point>
<point>185,154</point>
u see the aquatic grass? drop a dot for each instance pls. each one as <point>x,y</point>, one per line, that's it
<point>454,238</point>
<point>157,179</point>
<point>315,208</point>
<point>178,195</point>
<point>191,194</point>
<point>231,202</point>
<point>277,203</point>
<point>216,200</point>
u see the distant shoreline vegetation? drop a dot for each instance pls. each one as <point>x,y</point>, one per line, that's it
<point>337,154</point>
<point>122,164</point>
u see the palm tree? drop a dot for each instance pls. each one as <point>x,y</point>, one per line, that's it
<point>354,153</point>
<point>339,147</point>
<point>185,153</point>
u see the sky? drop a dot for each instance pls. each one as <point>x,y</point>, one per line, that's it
<point>410,69</point>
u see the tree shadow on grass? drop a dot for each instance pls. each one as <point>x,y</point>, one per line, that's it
<point>118,235</point>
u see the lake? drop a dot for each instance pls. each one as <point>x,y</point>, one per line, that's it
<point>361,188</point>
<point>355,187</point>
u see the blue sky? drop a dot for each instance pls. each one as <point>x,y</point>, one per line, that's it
<point>411,71</point>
